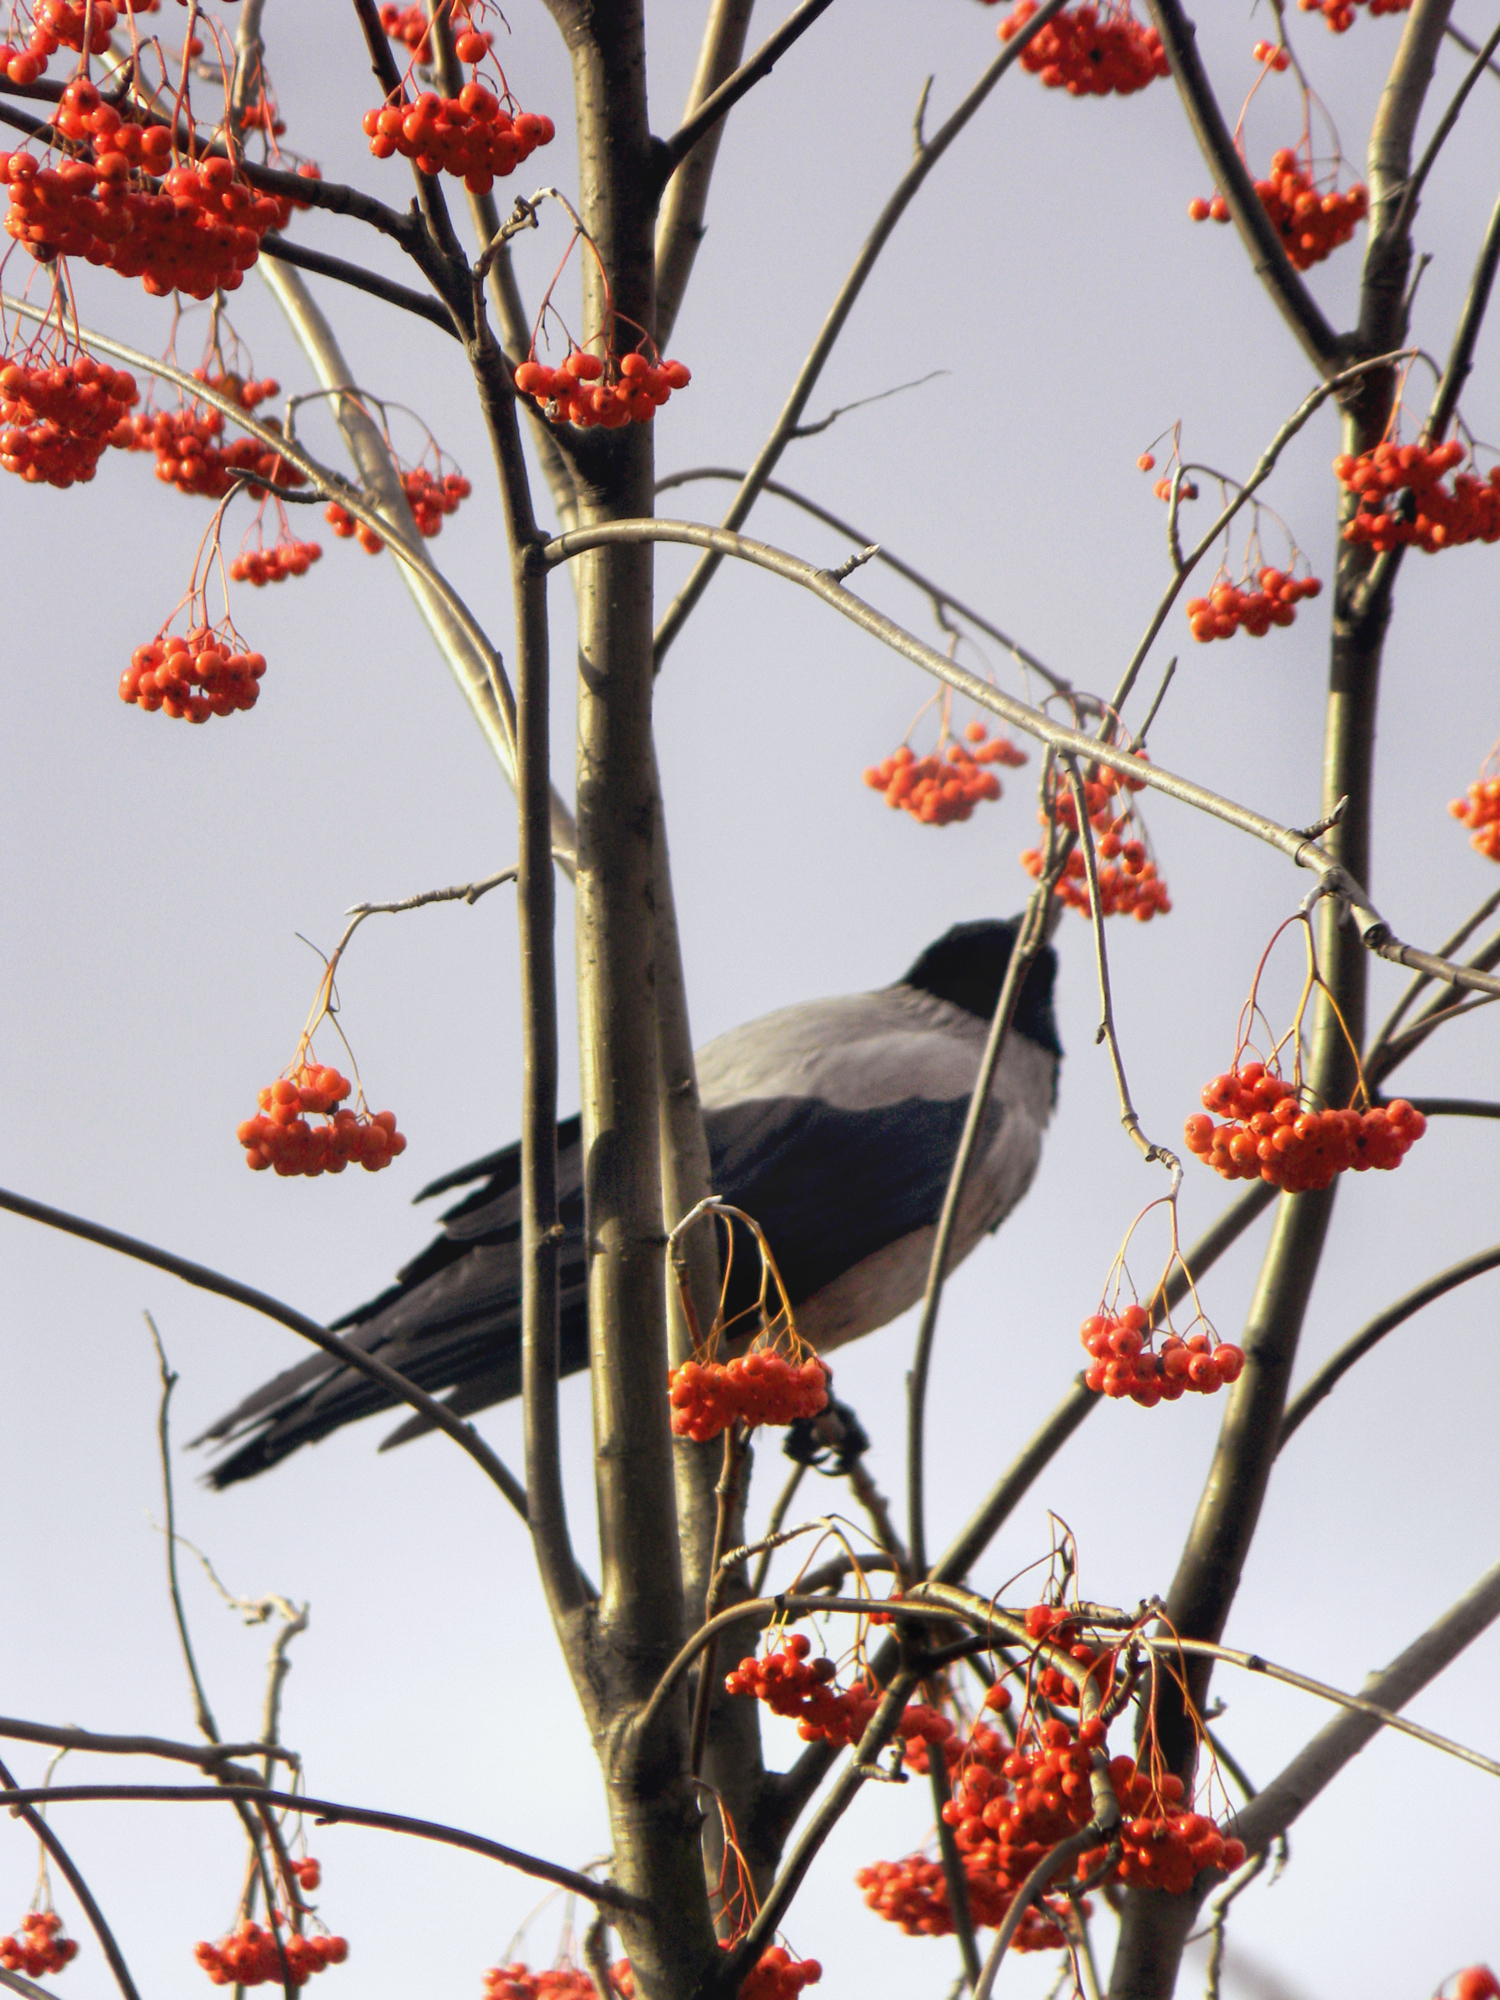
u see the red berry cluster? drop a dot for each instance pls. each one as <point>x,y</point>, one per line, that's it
<point>791,1684</point>
<point>1061,1628</point>
<point>472,135</point>
<point>1478,809</point>
<point>1230,608</point>
<point>61,24</point>
<point>275,564</point>
<point>517,1981</point>
<point>1427,513</point>
<point>1269,1136</point>
<point>1161,1846</point>
<point>250,1956</point>
<point>761,1387</point>
<point>198,231</point>
<point>309,1874</point>
<point>186,441</point>
<point>280,1136</point>
<point>776,1975</point>
<point>345,526</point>
<point>938,791</point>
<point>165,674</point>
<point>1476,1982</point>
<point>38,1946</point>
<point>1090,51</point>
<point>412,26</point>
<point>1274,54</point>
<point>1123,1364</point>
<point>1128,882</point>
<point>430,498</point>
<point>914,1894</point>
<point>59,417</point>
<point>1311,225</point>
<point>1339,14</point>
<point>586,390</point>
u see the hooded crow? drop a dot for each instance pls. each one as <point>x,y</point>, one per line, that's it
<point>834,1123</point>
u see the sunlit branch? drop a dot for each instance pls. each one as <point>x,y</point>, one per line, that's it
<point>719,102</point>
<point>206,1756</point>
<point>424,304</point>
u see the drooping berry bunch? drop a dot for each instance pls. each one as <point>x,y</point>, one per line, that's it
<point>793,1685</point>
<point>517,1981</point>
<point>431,497</point>
<point>62,24</point>
<point>413,26</point>
<point>1479,809</point>
<point>280,1137</point>
<point>938,789</point>
<point>761,1387</point>
<point>1230,607</point>
<point>197,229</point>
<point>1275,55</point>
<point>250,1956</point>
<point>1162,488</point>
<point>1311,225</point>
<point>194,674</point>
<point>189,448</point>
<point>284,558</point>
<point>59,413</point>
<point>37,1945</point>
<point>347,528</point>
<point>1402,497</point>
<point>1476,1982</point>
<point>473,136</point>
<point>1129,884</point>
<point>587,390</point>
<point>1340,16</point>
<point>1123,1363</point>
<point>1270,1133</point>
<point>1090,51</point>
<point>309,1874</point>
<point>914,1894</point>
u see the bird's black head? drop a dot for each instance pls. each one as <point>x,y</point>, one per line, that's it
<point>967,965</point>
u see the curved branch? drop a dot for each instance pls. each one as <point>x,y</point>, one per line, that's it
<point>426,305</point>
<point>206,1280</point>
<point>679,221</point>
<point>206,1756</point>
<point>928,155</point>
<point>24,1805</point>
<point>332,1812</point>
<point>1411,193</point>
<point>1268,257</point>
<point>1338,1365</point>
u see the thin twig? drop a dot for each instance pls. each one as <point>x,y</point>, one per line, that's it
<point>207,1756</point>
<point>400,1389</point>
<point>328,1812</point>
<point>1407,207</point>
<point>1338,1364</point>
<point>733,88</point>
<point>727,1492</point>
<point>1459,938</point>
<point>203,1713</point>
<point>778,1514</point>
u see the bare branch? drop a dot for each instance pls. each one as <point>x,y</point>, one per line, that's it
<point>206,1280</point>
<point>791,415</point>
<point>206,1756</point>
<point>722,100</point>
<point>426,305</point>
<point>1338,1365</point>
<point>331,1812</point>
<point>1411,193</point>
<point>679,224</point>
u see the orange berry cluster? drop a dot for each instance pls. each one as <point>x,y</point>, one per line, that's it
<point>430,498</point>
<point>250,1956</point>
<point>761,1387</point>
<point>517,1981</point>
<point>1311,225</point>
<point>189,455</point>
<point>38,1946</point>
<point>1123,1364</point>
<point>164,674</point>
<point>60,24</point>
<point>1478,809</point>
<point>791,1684</point>
<point>309,1874</point>
<point>938,791</point>
<point>914,1894</point>
<point>1272,53</point>
<point>1339,14</point>
<point>471,135</point>
<point>775,1975</point>
<point>345,526</point>
<point>1090,51</point>
<point>1128,882</point>
<point>411,25</point>
<point>59,419</point>
<point>1269,1136</point>
<point>1229,608</point>
<point>275,564</point>
<point>1476,1982</point>
<point>280,1136</point>
<point>198,231</point>
<point>1430,516</point>
<point>586,390</point>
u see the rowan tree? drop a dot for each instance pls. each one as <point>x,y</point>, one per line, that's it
<point>1109,489</point>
